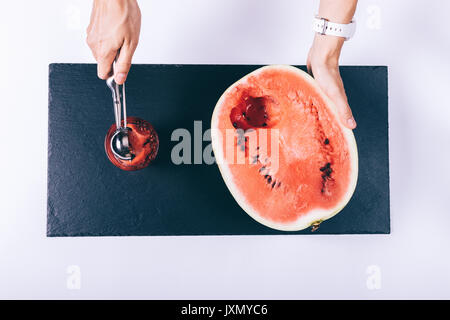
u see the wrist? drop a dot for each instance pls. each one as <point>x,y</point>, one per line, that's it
<point>326,49</point>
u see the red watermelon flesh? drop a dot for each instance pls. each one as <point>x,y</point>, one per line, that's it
<point>305,171</point>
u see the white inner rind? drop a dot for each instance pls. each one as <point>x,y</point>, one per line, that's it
<point>313,216</point>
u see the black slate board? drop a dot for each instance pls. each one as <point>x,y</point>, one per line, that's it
<point>88,196</point>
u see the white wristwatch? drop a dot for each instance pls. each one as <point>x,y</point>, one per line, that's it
<point>325,27</point>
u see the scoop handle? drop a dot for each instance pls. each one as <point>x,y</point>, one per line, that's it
<point>116,100</point>
<point>115,89</point>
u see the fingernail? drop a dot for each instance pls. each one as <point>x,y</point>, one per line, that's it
<point>120,77</point>
<point>351,123</point>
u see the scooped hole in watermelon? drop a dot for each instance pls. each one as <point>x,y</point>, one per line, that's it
<point>255,112</point>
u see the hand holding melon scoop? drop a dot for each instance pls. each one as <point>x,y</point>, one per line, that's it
<point>132,143</point>
<point>113,35</point>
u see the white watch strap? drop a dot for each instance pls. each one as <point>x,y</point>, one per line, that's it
<point>325,27</point>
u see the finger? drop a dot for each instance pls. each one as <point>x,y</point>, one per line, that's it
<point>308,69</point>
<point>331,82</point>
<point>346,116</point>
<point>345,113</point>
<point>308,65</point>
<point>123,64</point>
<point>104,64</point>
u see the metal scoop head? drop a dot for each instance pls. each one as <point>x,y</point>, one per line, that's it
<point>120,144</point>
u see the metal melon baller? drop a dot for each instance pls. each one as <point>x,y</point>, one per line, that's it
<point>120,143</point>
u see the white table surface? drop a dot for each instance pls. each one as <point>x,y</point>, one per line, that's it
<point>412,262</point>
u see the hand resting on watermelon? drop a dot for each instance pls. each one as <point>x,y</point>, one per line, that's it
<point>323,57</point>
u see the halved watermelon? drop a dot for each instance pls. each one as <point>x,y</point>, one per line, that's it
<point>281,149</point>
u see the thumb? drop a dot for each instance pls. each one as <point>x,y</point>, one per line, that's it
<point>333,86</point>
<point>345,113</point>
<point>123,64</point>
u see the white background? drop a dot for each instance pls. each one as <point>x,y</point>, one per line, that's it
<point>411,37</point>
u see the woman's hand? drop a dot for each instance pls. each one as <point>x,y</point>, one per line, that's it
<point>323,63</point>
<point>323,57</point>
<point>114,25</point>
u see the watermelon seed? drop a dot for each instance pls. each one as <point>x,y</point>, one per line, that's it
<point>269,180</point>
<point>279,184</point>
<point>262,168</point>
<point>235,124</point>
<point>273,184</point>
<point>266,176</point>
<point>264,124</point>
<point>326,168</point>
<point>326,141</point>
